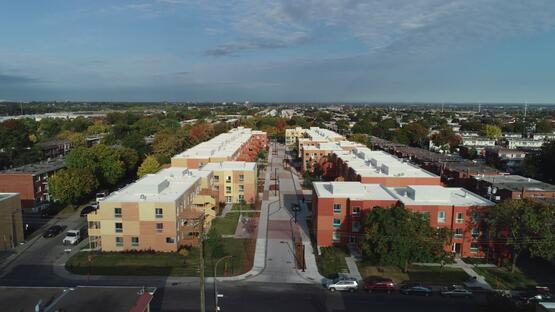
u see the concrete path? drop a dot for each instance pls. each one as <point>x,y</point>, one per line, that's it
<point>353,268</point>
<point>227,208</point>
<point>478,280</point>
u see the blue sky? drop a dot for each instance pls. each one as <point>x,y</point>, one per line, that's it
<point>281,50</point>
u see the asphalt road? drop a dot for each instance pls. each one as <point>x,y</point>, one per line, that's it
<point>246,297</point>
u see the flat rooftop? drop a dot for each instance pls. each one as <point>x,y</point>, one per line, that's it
<point>368,163</point>
<point>4,196</point>
<point>316,133</point>
<point>516,183</point>
<point>352,190</point>
<point>229,165</point>
<point>222,145</point>
<point>37,168</point>
<point>166,185</point>
<point>433,195</point>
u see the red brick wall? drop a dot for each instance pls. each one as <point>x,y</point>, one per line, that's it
<point>19,183</point>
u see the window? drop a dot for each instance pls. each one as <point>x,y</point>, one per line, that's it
<point>356,226</point>
<point>228,199</point>
<point>336,236</point>
<point>216,179</point>
<point>159,227</point>
<point>460,217</point>
<point>336,223</point>
<point>475,232</point>
<point>170,240</point>
<point>241,197</point>
<point>228,189</point>
<point>356,211</point>
<point>119,241</point>
<point>241,188</point>
<point>458,233</point>
<point>119,227</point>
<point>425,215</point>
<point>476,217</point>
<point>134,241</point>
<point>241,178</point>
<point>474,247</point>
<point>159,212</point>
<point>117,212</point>
<point>441,217</point>
<point>228,179</point>
<point>216,188</point>
<point>336,208</point>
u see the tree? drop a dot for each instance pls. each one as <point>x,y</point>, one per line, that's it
<point>166,144</point>
<point>396,236</point>
<point>81,157</point>
<point>71,186</point>
<point>523,225</point>
<point>359,138</point>
<point>544,126</point>
<point>416,133</point>
<point>491,131</point>
<point>149,165</point>
<point>110,167</point>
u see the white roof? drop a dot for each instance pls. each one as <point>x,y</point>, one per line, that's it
<point>432,195</point>
<point>320,134</point>
<point>4,196</point>
<point>223,145</point>
<point>352,190</point>
<point>166,185</point>
<point>229,165</point>
<point>368,163</point>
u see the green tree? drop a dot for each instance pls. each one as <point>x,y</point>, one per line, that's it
<point>544,126</point>
<point>110,167</point>
<point>71,186</point>
<point>417,134</point>
<point>491,131</point>
<point>81,157</point>
<point>149,165</point>
<point>166,144</point>
<point>523,225</point>
<point>396,236</point>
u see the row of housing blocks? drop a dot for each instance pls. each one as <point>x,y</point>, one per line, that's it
<point>361,179</point>
<point>162,211</point>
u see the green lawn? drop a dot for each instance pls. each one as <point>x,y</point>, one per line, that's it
<point>165,264</point>
<point>226,225</point>
<point>332,261</point>
<point>425,274</point>
<point>502,278</point>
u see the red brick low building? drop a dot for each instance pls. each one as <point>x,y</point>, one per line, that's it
<point>337,209</point>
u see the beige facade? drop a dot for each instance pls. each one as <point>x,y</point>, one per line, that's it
<point>291,135</point>
<point>153,213</point>
<point>11,223</point>
<point>234,182</point>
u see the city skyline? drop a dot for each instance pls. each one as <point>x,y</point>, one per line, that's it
<point>313,51</point>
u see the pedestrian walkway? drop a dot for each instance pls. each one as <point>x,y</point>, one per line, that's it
<point>353,268</point>
<point>226,209</point>
<point>476,280</point>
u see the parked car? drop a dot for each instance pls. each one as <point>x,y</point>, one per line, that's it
<point>88,209</point>
<point>380,284</point>
<point>415,289</point>
<point>536,294</point>
<point>350,285</point>
<point>72,237</point>
<point>455,291</point>
<point>53,231</point>
<point>101,195</point>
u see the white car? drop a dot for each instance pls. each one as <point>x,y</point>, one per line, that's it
<point>72,237</point>
<point>342,285</point>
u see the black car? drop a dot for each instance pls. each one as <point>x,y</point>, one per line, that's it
<point>88,209</point>
<point>53,231</point>
<point>415,289</point>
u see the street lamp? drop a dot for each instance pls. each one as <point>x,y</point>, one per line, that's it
<point>216,294</point>
<point>296,208</point>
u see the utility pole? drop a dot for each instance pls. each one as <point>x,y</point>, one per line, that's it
<point>276,182</point>
<point>201,264</point>
<point>216,294</point>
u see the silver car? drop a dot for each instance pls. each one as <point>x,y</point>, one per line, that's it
<point>455,291</point>
<point>342,285</point>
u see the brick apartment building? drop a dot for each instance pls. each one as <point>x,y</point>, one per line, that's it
<point>512,187</point>
<point>11,231</point>
<point>31,182</point>
<point>338,208</point>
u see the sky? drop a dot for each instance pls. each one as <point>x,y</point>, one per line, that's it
<point>281,50</point>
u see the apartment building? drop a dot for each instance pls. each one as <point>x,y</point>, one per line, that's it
<point>31,182</point>
<point>154,213</point>
<point>512,187</point>
<point>377,167</point>
<point>523,143</point>
<point>238,144</point>
<point>292,135</point>
<point>234,181</point>
<point>314,136</point>
<point>11,231</point>
<point>338,208</point>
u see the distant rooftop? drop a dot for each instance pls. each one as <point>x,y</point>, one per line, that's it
<point>368,163</point>
<point>222,145</point>
<point>37,168</point>
<point>352,190</point>
<point>438,195</point>
<point>516,183</point>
